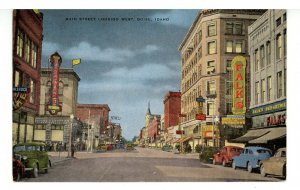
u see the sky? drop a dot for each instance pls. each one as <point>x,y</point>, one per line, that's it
<point>125,63</point>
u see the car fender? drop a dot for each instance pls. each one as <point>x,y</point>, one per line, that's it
<point>32,162</point>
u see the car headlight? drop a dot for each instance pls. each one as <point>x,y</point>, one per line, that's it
<point>24,157</point>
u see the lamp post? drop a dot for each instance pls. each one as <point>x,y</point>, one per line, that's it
<point>70,135</point>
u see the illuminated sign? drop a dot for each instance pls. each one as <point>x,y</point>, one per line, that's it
<point>53,106</point>
<point>238,96</point>
<point>233,120</point>
<point>274,120</point>
<point>19,97</point>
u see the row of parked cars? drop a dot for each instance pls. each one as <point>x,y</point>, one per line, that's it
<point>29,159</point>
<point>251,158</point>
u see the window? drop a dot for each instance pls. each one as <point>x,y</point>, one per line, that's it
<point>211,67</point>
<point>263,90</point>
<point>269,88</point>
<point>27,49</point>
<point>279,84</point>
<point>278,46</point>
<point>278,21</point>
<point>199,53</point>
<point>20,43</point>
<point>32,91</point>
<point>211,87</point>
<point>200,36</point>
<point>262,56</point>
<point>238,28</point>
<point>211,29</point>
<point>284,42</point>
<point>210,108</point>
<point>228,87</point>
<point>33,55</point>
<point>17,79</point>
<point>284,17</point>
<point>256,57</point>
<point>256,92</point>
<point>229,28</point>
<point>228,108</point>
<point>229,70</point>
<point>212,47</point>
<point>229,44</point>
<point>238,47</point>
<point>268,53</point>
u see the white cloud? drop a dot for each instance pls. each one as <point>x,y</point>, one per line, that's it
<point>88,52</point>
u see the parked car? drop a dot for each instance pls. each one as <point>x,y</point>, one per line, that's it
<point>207,153</point>
<point>224,156</point>
<point>251,157</point>
<point>275,165</point>
<point>167,148</point>
<point>34,157</point>
<point>18,168</point>
<point>129,147</point>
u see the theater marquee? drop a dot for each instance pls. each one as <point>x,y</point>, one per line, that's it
<point>238,96</point>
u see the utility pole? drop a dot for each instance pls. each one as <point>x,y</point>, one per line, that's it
<point>70,135</point>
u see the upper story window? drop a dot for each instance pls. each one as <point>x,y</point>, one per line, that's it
<point>33,57</point>
<point>238,28</point>
<point>229,46</point>
<point>279,85</point>
<point>268,58</point>
<point>212,47</point>
<point>27,49</point>
<point>269,88</point>
<point>211,87</point>
<point>210,108</point>
<point>211,67</point>
<point>256,92</point>
<point>32,91</point>
<point>284,42</point>
<point>279,46</point>
<point>229,28</point>
<point>263,90</point>
<point>238,47</point>
<point>278,21</point>
<point>20,43</point>
<point>284,17</point>
<point>256,59</point>
<point>262,56</point>
<point>17,78</point>
<point>211,29</point>
<point>229,69</point>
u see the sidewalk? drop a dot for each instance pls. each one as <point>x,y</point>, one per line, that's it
<point>57,157</point>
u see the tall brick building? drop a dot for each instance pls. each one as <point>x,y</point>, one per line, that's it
<point>27,51</point>
<point>172,107</point>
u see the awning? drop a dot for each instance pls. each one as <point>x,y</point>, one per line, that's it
<point>185,139</point>
<point>274,133</point>
<point>176,141</point>
<point>250,135</point>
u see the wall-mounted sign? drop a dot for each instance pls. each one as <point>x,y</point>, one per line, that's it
<point>276,119</point>
<point>238,96</point>
<point>201,117</point>
<point>233,120</point>
<point>53,106</point>
<point>270,108</point>
<point>19,97</point>
<point>179,132</point>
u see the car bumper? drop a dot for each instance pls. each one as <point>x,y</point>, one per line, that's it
<point>28,169</point>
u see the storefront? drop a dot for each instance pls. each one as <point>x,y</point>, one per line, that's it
<point>268,126</point>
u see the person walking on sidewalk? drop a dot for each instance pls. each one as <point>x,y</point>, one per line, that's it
<point>72,150</point>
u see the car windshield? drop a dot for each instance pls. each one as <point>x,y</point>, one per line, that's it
<point>24,148</point>
<point>236,150</point>
<point>263,151</point>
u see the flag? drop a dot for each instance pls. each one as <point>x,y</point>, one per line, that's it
<point>76,62</point>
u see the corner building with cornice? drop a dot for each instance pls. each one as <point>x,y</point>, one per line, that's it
<point>214,39</point>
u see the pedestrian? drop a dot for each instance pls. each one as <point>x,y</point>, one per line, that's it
<point>72,150</point>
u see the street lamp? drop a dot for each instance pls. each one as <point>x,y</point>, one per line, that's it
<point>70,135</point>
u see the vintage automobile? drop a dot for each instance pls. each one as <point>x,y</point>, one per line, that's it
<point>224,156</point>
<point>251,157</point>
<point>34,157</point>
<point>18,168</point>
<point>129,147</point>
<point>207,153</point>
<point>275,165</point>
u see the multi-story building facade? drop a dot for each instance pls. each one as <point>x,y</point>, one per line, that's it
<point>96,116</point>
<point>153,130</point>
<point>55,128</point>
<point>213,40</point>
<point>267,48</point>
<point>172,107</point>
<point>148,134</point>
<point>27,50</point>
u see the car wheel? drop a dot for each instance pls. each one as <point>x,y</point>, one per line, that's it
<point>18,176</point>
<point>224,163</point>
<point>48,166</point>
<point>35,171</point>
<point>262,171</point>
<point>233,165</point>
<point>214,162</point>
<point>249,167</point>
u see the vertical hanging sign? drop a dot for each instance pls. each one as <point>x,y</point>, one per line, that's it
<point>238,96</point>
<point>53,106</point>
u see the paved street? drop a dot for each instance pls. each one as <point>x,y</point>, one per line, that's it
<point>140,165</point>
